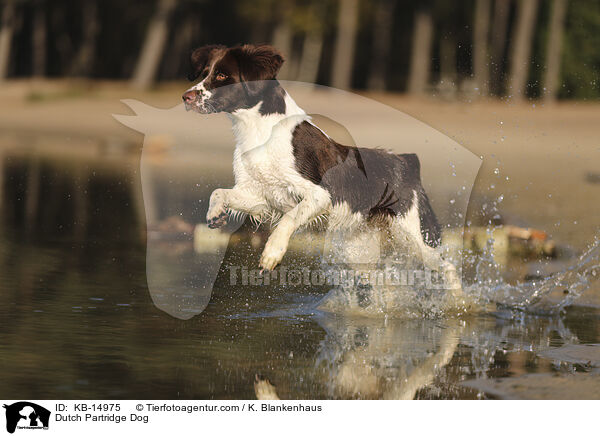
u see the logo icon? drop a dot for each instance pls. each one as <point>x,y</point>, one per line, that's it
<point>26,415</point>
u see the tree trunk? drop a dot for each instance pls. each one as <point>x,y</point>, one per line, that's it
<point>343,57</point>
<point>499,29</point>
<point>448,75</point>
<point>420,58</point>
<point>82,65</point>
<point>282,40</point>
<point>154,44</point>
<point>521,48</point>
<point>311,57</point>
<point>179,49</point>
<point>61,39</point>
<point>382,41</point>
<point>39,40</point>
<point>480,45</point>
<point>6,34</point>
<point>448,59</point>
<point>554,49</point>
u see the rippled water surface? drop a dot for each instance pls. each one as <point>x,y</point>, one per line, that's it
<point>77,320</point>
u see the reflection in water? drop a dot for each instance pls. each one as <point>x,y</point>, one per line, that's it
<point>398,359</point>
<point>84,326</point>
<point>369,358</point>
<point>77,320</point>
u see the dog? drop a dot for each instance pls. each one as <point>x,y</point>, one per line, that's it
<point>285,166</point>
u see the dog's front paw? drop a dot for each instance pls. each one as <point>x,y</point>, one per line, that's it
<point>268,261</point>
<point>272,254</point>
<point>216,217</point>
<point>217,211</point>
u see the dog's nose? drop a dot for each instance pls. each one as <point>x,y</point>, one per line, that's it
<point>189,96</point>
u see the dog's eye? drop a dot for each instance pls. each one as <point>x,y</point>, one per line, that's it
<point>221,76</point>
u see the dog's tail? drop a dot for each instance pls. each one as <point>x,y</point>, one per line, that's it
<point>430,228</point>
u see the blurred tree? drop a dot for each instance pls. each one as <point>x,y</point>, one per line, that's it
<point>84,59</point>
<point>498,45</point>
<point>480,45</point>
<point>447,59</point>
<point>62,37</point>
<point>345,42</point>
<point>521,48</point>
<point>115,39</point>
<point>580,70</point>
<point>452,49</point>
<point>383,22</point>
<point>554,49</point>
<point>261,14</point>
<point>39,38</point>
<point>310,20</point>
<point>420,59</point>
<point>283,36</point>
<point>6,36</point>
<point>275,15</point>
<point>176,62</point>
<point>154,44</point>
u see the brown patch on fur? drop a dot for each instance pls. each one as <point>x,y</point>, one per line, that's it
<point>378,184</point>
<point>200,59</point>
<point>258,62</point>
<point>315,153</point>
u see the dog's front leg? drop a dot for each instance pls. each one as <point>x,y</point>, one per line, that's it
<point>222,200</point>
<point>300,215</point>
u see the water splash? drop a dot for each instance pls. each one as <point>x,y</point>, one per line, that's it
<point>385,277</point>
<point>567,286</point>
<point>487,290</point>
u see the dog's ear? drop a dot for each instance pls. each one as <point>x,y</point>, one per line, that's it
<point>258,62</point>
<point>200,57</point>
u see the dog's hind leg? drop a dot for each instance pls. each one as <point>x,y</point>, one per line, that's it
<point>354,257</point>
<point>420,227</point>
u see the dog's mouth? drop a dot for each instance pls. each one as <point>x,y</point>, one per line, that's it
<point>200,107</point>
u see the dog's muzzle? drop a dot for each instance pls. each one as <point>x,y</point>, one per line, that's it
<point>194,102</point>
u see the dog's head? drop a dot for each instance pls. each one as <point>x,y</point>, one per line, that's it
<point>231,78</point>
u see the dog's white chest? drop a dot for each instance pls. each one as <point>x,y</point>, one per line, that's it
<point>262,166</point>
<point>264,160</point>
<point>268,170</point>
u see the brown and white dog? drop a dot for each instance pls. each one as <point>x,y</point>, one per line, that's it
<point>286,166</point>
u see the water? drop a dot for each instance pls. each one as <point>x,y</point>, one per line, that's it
<point>581,274</point>
<point>77,320</point>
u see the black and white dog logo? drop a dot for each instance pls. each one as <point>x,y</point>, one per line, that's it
<point>26,415</point>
